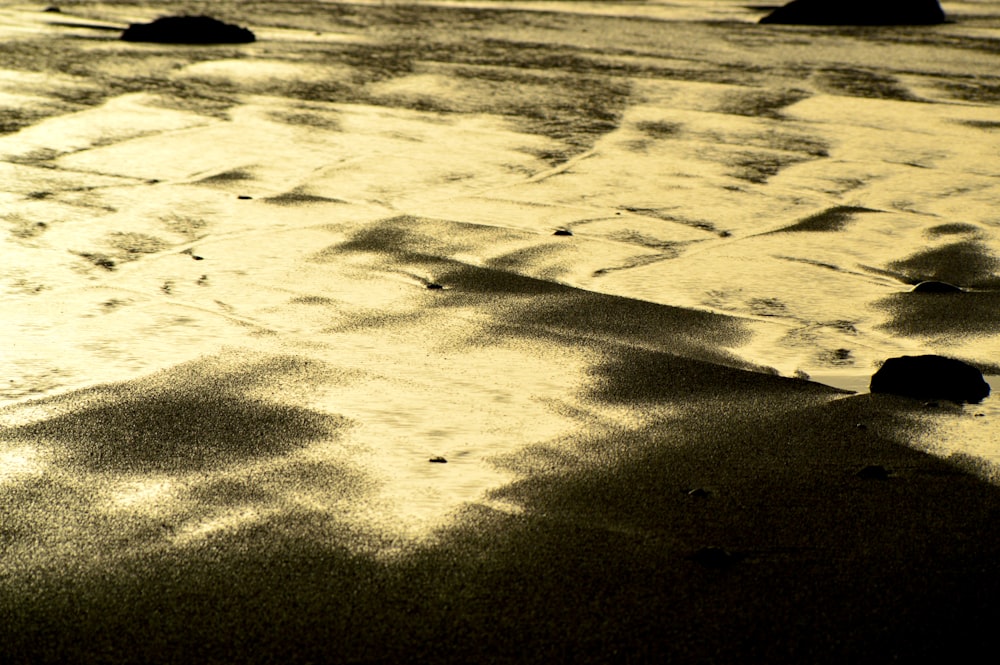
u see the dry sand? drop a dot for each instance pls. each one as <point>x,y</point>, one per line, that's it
<point>249,292</point>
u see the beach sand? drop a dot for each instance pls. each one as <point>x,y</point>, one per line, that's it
<point>250,292</point>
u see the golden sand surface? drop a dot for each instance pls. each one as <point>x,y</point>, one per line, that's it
<point>250,292</point>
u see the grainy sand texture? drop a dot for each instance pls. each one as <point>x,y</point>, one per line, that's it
<point>484,332</point>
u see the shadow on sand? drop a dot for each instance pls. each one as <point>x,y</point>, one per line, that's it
<point>810,561</point>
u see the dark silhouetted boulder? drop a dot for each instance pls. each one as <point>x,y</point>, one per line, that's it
<point>187,30</point>
<point>931,377</point>
<point>858,12</point>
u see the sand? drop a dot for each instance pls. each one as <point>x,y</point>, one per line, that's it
<point>249,292</point>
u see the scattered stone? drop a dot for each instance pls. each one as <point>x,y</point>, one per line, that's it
<point>438,460</point>
<point>698,493</point>
<point>861,426</point>
<point>716,557</point>
<point>936,287</point>
<point>187,30</point>
<point>931,377</point>
<point>52,9</point>
<point>244,197</point>
<point>873,472</point>
<point>857,12</point>
<point>434,285</point>
<point>563,232</point>
<point>100,260</point>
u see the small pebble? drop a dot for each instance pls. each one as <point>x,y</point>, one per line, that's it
<point>861,426</point>
<point>244,197</point>
<point>698,493</point>
<point>936,287</point>
<point>563,232</point>
<point>434,286</point>
<point>873,472</point>
<point>439,460</point>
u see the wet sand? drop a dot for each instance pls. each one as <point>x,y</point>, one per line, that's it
<point>250,292</point>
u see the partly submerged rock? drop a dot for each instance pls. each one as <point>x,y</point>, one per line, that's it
<point>931,377</point>
<point>858,12</point>
<point>932,286</point>
<point>187,30</point>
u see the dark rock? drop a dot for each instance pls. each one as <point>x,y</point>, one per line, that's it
<point>563,232</point>
<point>100,260</point>
<point>857,12</point>
<point>187,30</point>
<point>931,377</point>
<point>873,472</point>
<point>434,286</point>
<point>698,493</point>
<point>931,286</point>
<point>244,197</point>
<point>439,460</point>
<point>52,10</point>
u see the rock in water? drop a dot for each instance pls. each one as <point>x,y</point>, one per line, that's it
<point>931,377</point>
<point>858,12</point>
<point>187,30</point>
<point>936,287</point>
